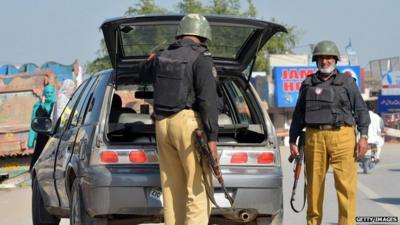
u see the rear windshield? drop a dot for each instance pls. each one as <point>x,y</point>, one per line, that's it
<point>140,40</point>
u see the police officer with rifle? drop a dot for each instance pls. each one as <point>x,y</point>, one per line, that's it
<point>185,98</point>
<point>330,107</point>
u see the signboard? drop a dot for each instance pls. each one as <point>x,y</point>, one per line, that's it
<point>391,83</point>
<point>388,103</point>
<point>288,80</point>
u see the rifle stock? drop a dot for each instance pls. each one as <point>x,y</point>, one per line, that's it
<point>201,140</point>
<point>205,151</point>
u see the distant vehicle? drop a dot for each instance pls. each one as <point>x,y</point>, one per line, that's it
<point>369,161</point>
<point>100,165</point>
<point>20,88</point>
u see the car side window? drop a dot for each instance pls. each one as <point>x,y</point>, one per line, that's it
<point>239,102</point>
<point>80,108</point>
<point>64,118</point>
<point>95,104</point>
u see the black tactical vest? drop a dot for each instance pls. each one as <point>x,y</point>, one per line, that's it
<point>324,102</point>
<point>174,78</point>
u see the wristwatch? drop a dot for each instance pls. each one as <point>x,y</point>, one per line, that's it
<point>364,136</point>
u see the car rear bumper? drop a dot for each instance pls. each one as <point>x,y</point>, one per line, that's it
<point>125,192</point>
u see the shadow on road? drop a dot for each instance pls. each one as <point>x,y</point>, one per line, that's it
<point>394,170</point>
<point>393,201</point>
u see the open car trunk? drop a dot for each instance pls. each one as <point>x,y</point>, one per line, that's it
<point>132,105</point>
<point>130,40</point>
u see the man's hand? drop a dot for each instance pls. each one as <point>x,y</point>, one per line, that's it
<point>294,149</point>
<point>212,145</point>
<point>151,57</point>
<point>362,148</point>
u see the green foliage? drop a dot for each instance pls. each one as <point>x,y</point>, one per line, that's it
<point>283,43</point>
<point>280,43</point>
<point>99,64</point>
<point>251,11</point>
<point>145,7</point>
<point>191,6</point>
<point>225,7</point>
<point>102,62</point>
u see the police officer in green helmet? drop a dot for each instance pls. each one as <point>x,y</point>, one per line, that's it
<point>185,98</point>
<point>330,108</point>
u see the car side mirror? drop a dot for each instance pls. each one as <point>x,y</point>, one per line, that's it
<point>42,125</point>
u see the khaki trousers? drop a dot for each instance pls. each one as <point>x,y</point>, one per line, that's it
<point>337,148</point>
<point>184,194</point>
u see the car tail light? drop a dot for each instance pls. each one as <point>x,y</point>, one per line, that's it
<point>138,156</point>
<point>247,157</point>
<point>266,158</point>
<point>108,157</point>
<point>126,156</point>
<point>239,157</point>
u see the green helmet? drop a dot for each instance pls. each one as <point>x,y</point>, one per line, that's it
<point>194,24</point>
<point>326,48</point>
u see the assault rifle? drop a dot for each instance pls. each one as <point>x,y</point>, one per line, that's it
<point>297,170</point>
<point>206,153</point>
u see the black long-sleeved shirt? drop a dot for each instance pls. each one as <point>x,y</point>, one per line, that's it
<point>355,113</point>
<point>204,85</point>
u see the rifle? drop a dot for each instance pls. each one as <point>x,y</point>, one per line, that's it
<point>297,170</point>
<point>216,170</point>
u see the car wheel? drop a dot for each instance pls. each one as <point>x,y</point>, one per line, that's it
<point>78,214</point>
<point>40,216</point>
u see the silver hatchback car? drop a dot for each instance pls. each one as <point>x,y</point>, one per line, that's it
<point>100,164</point>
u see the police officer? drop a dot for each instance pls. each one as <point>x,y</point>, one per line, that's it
<point>330,106</point>
<point>185,98</point>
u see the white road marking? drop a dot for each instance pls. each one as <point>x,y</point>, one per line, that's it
<point>392,209</point>
<point>396,165</point>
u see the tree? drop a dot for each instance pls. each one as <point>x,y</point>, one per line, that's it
<point>145,7</point>
<point>225,7</point>
<point>102,62</point>
<point>191,6</point>
<point>279,44</point>
<point>251,11</point>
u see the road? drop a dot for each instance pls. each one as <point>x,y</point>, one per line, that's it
<point>378,194</point>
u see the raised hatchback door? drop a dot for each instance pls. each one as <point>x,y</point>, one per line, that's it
<point>235,41</point>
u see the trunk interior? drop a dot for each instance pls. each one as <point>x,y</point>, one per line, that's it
<point>130,119</point>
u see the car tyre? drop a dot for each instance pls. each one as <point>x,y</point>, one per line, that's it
<point>78,214</point>
<point>40,216</point>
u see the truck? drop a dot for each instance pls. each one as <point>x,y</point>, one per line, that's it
<point>20,87</point>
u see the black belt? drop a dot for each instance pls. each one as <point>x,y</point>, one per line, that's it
<point>323,126</point>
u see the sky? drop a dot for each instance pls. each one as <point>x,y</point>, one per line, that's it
<point>38,31</point>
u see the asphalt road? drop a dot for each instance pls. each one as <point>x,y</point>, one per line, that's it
<point>378,194</point>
